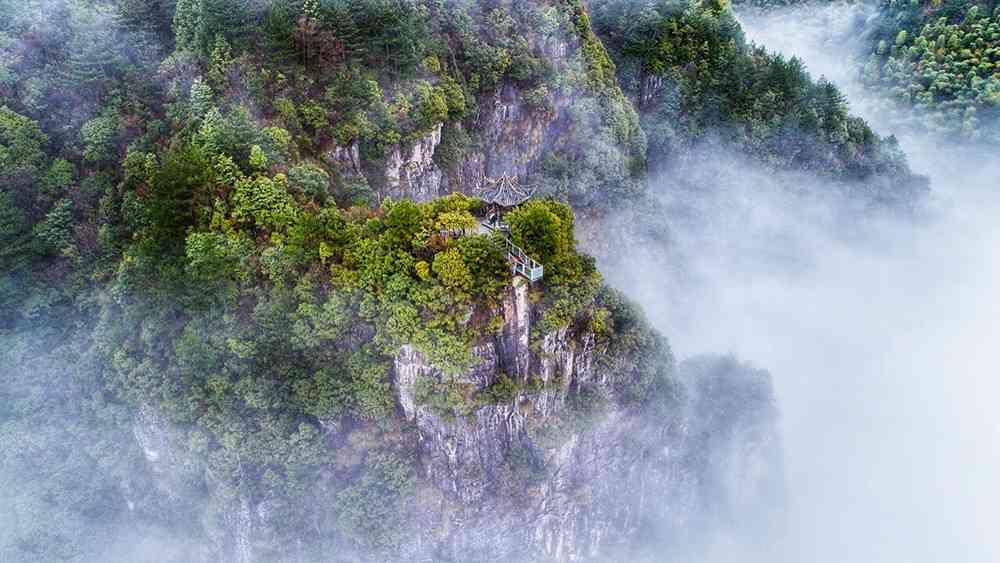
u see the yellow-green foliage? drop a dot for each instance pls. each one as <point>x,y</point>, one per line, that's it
<point>544,229</point>
<point>264,202</point>
<point>945,63</point>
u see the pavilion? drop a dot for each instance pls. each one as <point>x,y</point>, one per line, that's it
<point>501,194</point>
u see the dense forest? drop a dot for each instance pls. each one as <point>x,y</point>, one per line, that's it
<point>940,59</point>
<point>203,224</point>
<point>695,79</point>
<point>932,66</point>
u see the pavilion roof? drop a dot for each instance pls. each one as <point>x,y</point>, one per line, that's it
<point>504,190</point>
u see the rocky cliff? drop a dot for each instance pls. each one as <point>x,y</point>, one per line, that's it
<point>572,133</point>
<point>587,479</point>
<point>553,462</point>
<point>571,444</point>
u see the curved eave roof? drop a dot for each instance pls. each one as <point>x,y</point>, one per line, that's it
<point>504,191</point>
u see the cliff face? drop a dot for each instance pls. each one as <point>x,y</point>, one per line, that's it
<point>512,138</point>
<point>586,487</point>
<point>533,474</point>
<point>594,487</point>
<point>520,128</point>
<point>537,452</point>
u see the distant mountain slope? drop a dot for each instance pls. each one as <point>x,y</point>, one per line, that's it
<point>695,80</point>
<point>939,63</point>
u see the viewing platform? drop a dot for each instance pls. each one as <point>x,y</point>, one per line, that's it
<point>502,194</point>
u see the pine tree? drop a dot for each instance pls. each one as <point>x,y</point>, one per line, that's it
<point>22,146</point>
<point>187,24</point>
<point>201,98</point>
<point>94,55</point>
<point>229,18</point>
<point>343,27</point>
<point>99,136</point>
<point>279,33</point>
<point>829,100</point>
<point>55,232</point>
<point>145,16</point>
<point>310,9</point>
<point>221,60</point>
<point>12,220</point>
<point>171,204</point>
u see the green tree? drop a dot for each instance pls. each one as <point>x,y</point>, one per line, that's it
<point>99,137</point>
<point>188,24</point>
<point>95,58</point>
<point>228,18</point>
<point>220,62</point>
<point>55,232</point>
<point>279,34</point>
<point>175,191</point>
<point>60,176</point>
<point>449,267</point>
<point>12,223</point>
<point>258,160</point>
<point>310,180</point>
<point>22,145</point>
<point>367,509</point>
<point>153,16</point>
<point>403,220</point>
<point>540,228</point>
<point>202,99</point>
<point>264,202</point>
<point>431,105</point>
<point>487,264</point>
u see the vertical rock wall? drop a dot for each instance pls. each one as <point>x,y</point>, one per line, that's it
<point>523,478</point>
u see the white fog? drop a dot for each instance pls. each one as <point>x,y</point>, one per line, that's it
<point>881,338</point>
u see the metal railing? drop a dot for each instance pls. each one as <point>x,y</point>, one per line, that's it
<point>496,225</point>
<point>522,264</point>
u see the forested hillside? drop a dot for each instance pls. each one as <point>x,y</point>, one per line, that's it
<point>695,79</point>
<point>929,66</point>
<point>941,59</point>
<point>246,299</point>
<point>97,94</point>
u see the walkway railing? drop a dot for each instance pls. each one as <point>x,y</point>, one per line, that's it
<point>522,264</point>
